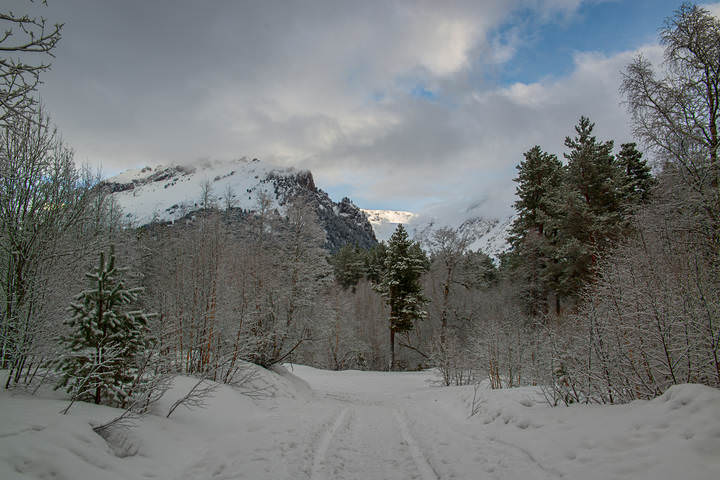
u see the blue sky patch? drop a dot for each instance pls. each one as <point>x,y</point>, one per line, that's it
<point>607,27</point>
<point>419,91</point>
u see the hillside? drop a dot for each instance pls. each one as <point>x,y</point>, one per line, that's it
<point>168,193</point>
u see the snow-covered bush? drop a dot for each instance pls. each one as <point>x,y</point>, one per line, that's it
<point>652,318</point>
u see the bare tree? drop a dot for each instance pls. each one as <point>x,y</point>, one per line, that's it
<point>228,199</point>
<point>24,38</point>
<point>43,198</point>
<point>207,197</point>
<point>676,112</point>
<point>448,247</point>
<point>650,321</point>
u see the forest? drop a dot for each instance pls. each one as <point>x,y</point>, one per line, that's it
<point>609,291</point>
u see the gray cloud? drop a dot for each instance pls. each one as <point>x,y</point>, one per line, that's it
<point>324,85</point>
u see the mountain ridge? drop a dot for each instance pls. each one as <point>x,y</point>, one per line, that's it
<point>169,193</point>
<point>490,233</point>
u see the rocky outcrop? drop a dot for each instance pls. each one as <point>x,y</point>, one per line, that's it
<point>167,194</point>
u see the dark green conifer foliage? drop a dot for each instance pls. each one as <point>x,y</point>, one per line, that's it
<point>568,215</point>
<point>593,177</point>
<point>592,202</point>
<point>539,178</point>
<point>375,262</point>
<point>638,177</point>
<point>477,270</point>
<point>534,233</point>
<point>104,338</point>
<point>399,284</point>
<point>349,265</point>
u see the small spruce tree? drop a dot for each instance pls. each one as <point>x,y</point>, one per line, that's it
<point>104,338</point>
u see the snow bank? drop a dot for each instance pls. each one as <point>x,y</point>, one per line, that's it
<point>674,436</point>
<point>36,441</point>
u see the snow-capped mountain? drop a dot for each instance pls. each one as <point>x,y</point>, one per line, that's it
<point>490,233</point>
<point>384,222</point>
<point>168,193</point>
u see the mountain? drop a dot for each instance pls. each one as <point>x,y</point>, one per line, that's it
<point>168,193</point>
<point>490,233</point>
<point>384,222</point>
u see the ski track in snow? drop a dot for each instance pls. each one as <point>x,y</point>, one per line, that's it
<point>422,462</point>
<point>379,434</point>
<point>319,458</point>
<point>370,445</point>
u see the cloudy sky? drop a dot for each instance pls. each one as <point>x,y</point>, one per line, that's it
<point>400,105</point>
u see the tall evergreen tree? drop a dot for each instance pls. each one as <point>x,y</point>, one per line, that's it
<point>105,337</point>
<point>540,178</point>
<point>593,174</point>
<point>399,284</point>
<point>592,199</point>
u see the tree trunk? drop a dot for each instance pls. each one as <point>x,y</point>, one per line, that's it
<point>557,304</point>
<point>392,348</point>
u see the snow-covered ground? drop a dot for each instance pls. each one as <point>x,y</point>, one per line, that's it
<point>316,424</point>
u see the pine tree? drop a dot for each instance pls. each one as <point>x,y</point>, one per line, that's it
<point>540,178</point>
<point>104,339</point>
<point>375,262</point>
<point>638,179</point>
<point>349,266</point>
<point>592,201</point>
<point>399,284</point>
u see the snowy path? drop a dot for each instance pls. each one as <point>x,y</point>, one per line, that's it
<point>324,425</point>
<point>370,443</point>
<point>384,430</point>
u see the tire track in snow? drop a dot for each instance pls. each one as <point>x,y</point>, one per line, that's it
<point>321,452</point>
<point>421,461</point>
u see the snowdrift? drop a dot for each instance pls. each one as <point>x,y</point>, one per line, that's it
<point>676,435</point>
<point>36,441</point>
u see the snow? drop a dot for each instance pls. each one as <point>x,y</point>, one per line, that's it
<point>171,198</point>
<point>490,233</point>
<point>492,239</point>
<point>384,222</point>
<point>376,217</point>
<point>318,424</point>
